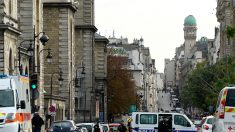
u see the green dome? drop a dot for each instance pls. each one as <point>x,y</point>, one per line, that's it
<point>190,21</point>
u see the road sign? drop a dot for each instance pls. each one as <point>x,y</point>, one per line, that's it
<point>52,110</point>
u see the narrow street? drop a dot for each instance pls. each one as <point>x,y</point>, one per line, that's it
<point>164,101</point>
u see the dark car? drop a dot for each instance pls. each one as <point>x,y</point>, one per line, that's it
<point>62,126</point>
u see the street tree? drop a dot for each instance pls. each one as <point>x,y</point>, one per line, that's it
<point>204,83</point>
<point>120,91</point>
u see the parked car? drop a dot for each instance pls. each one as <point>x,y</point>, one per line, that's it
<point>206,124</point>
<point>62,126</point>
<point>105,127</point>
<point>224,115</point>
<point>82,129</point>
<point>114,127</point>
<point>197,123</point>
<point>90,126</point>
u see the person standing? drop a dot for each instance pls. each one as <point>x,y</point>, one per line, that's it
<point>122,127</point>
<point>96,127</point>
<point>37,122</point>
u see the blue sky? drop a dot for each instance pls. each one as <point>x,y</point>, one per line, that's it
<point>159,22</point>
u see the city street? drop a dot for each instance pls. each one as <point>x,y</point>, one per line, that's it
<point>164,101</point>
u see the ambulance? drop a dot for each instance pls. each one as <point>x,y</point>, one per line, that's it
<point>224,120</point>
<point>153,122</point>
<point>15,110</point>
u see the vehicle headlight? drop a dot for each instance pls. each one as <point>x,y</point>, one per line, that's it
<point>10,118</point>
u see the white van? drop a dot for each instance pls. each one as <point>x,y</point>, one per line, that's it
<point>152,122</point>
<point>225,111</point>
<point>15,110</point>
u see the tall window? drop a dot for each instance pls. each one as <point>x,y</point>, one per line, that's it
<point>10,63</point>
<point>10,5</point>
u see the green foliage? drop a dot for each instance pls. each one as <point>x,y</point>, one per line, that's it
<point>230,31</point>
<point>204,83</point>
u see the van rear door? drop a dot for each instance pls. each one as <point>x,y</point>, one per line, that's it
<point>146,122</point>
<point>229,115</point>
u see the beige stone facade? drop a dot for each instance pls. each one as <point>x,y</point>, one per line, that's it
<point>225,16</point>
<point>70,27</point>
<point>59,25</point>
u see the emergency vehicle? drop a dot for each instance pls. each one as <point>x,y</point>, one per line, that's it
<point>15,110</point>
<point>225,111</point>
<point>151,121</point>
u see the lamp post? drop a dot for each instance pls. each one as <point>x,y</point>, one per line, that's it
<point>75,80</point>
<point>30,50</point>
<point>49,55</point>
<point>82,75</point>
<point>60,79</point>
<point>43,39</point>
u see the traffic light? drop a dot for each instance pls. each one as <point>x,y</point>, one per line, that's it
<point>34,81</point>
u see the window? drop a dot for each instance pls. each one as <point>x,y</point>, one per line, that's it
<point>209,121</point>
<point>230,99</point>
<point>180,120</point>
<point>137,119</point>
<point>7,98</point>
<point>148,119</point>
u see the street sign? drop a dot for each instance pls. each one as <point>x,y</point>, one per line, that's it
<point>52,110</point>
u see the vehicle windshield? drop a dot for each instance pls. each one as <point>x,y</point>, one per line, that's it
<point>209,120</point>
<point>230,99</point>
<point>62,124</point>
<point>7,98</point>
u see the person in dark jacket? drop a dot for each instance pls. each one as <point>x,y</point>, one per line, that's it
<point>37,122</point>
<point>96,127</point>
<point>122,127</point>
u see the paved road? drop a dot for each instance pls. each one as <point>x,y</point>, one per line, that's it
<point>164,101</point>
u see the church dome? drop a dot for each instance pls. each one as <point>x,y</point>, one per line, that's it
<point>190,21</point>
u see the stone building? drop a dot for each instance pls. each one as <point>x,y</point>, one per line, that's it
<point>225,16</point>
<point>9,33</point>
<point>85,40</point>
<point>58,23</point>
<point>100,73</point>
<point>169,73</point>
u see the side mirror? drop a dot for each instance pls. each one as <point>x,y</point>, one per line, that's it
<point>22,104</point>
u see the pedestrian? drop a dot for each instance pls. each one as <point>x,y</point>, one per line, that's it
<point>122,127</point>
<point>37,122</point>
<point>96,127</point>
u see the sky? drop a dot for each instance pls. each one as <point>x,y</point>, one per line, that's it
<point>158,22</point>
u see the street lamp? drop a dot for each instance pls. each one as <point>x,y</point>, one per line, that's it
<point>43,39</point>
<point>60,79</point>
<point>49,55</point>
<point>78,83</point>
<point>75,80</point>
<point>29,50</point>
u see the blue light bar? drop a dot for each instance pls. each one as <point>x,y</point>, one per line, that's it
<point>3,76</point>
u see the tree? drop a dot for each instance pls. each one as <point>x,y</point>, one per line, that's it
<point>121,93</point>
<point>204,83</point>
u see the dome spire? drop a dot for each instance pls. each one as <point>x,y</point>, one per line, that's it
<point>190,21</point>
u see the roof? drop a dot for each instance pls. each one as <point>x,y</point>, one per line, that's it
<point>190,21</point>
